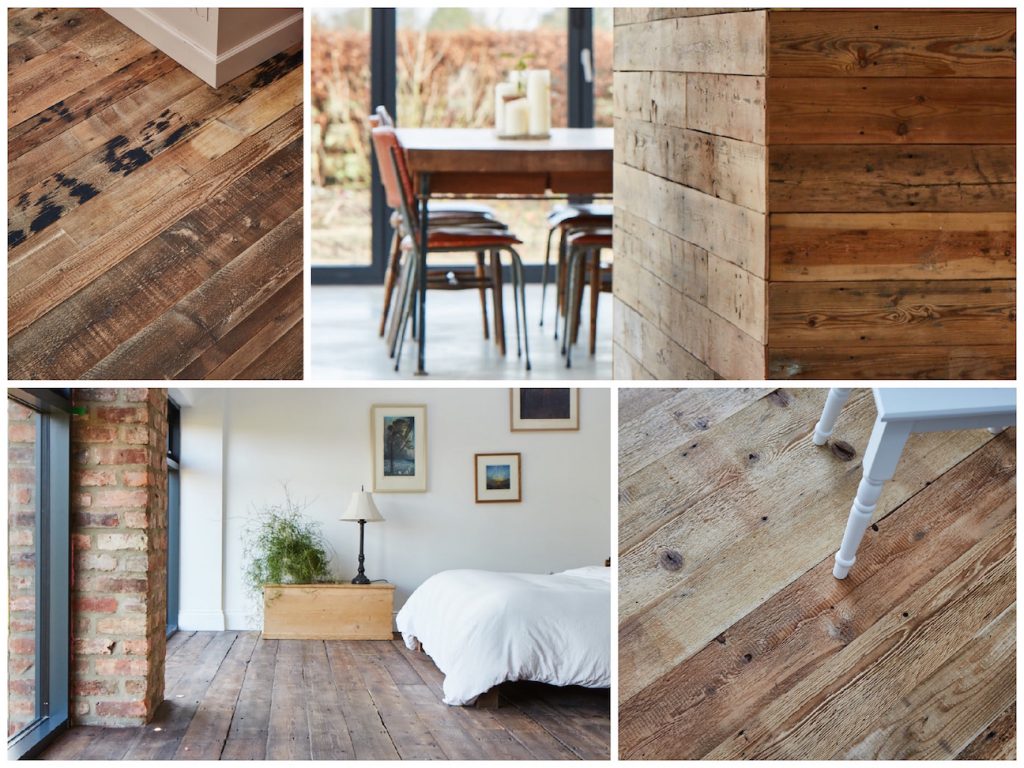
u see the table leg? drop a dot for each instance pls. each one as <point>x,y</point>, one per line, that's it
<point>422,286</point>
<point>833,407</point>
<point>880,459</point>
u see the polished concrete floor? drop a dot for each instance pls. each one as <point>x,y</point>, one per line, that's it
<point>345,344</point>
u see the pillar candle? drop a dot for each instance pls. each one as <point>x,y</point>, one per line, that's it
<point>517,117</point>
<point>501,90</point>
<point>538,94</point>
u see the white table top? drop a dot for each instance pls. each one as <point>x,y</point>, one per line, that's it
<point>908,403</point>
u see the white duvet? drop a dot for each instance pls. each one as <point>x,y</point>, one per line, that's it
<point>482,628</point>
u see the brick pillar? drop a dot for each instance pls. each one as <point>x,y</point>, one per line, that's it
<point>119,545</point>
<point>21,553</point>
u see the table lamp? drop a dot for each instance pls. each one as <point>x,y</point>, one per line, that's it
<point>362,510</point>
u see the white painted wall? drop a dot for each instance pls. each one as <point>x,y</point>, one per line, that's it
<point>318,441</point>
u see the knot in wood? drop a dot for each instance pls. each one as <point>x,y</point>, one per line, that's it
<point>670,560</point>
<point>842,450</point>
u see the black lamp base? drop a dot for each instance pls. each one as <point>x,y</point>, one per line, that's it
<point>361,576</point>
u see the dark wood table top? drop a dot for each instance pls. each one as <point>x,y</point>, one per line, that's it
<point>476,161</point>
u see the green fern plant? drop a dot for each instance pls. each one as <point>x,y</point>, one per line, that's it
<point>284,546</point>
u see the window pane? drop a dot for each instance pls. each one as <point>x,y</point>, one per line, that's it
<point>340,74</point>
<point>450,59</point>
<point>22,540</point>
<point>603,50</point>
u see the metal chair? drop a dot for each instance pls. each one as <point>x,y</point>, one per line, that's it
<point>582,244</point>
<point>563,219</point>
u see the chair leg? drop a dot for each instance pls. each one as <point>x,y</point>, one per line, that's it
<point>834,403</point>
<point>880,459</point>
<point>544,275</point>
<point>408,306</point>
<point>499,302</point>
<point>401,302</point>
<point>595,294</point>
<point>480,273</point>
<point>580,279</point>
<point>515,303</point>
<point>571,297</point>
<point>561,280</point>
<point>520,273</point>
<point>389,280</point>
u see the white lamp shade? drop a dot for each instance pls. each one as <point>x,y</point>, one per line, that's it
<point>361,507</point>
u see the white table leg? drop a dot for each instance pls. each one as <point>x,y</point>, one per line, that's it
<point>834,403</point>
<point>880,459</point>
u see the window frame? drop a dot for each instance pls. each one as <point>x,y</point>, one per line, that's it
<point>53,569</point>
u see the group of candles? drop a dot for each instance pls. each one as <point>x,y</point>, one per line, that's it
<point>522,104</point>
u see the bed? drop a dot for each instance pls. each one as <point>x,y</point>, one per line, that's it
<point>484,628</point>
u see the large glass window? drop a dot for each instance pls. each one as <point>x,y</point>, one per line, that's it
<point>173,516</point>
<point>340,72</point>
<point>38,552</point>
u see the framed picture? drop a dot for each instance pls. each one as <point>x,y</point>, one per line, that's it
<point>544,410</point>
<point>498,477</point>
<point>399,448</point>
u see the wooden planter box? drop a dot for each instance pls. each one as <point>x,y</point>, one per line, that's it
<point>327,611</point>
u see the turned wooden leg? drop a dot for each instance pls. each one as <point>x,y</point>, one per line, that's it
<point>481,272</point>
<point>880,459</point>
<point>834,403</point>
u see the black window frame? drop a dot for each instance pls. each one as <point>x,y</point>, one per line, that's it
<point>53,569</point>
<point>173,606</point>
<point>383,85</point>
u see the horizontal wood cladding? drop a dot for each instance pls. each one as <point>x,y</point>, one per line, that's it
<point>821,316</point>
<point>892,246</point>
<point>731,232</point>
<point>622,16</point>
<point>897,43</point>
<point>899,110</point>
<point>725,43</point>
<point>973,361</point>
<point>887,177</point>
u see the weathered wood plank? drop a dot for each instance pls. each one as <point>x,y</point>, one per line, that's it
<point>904,110</point>
<point>732,43</point>
<point>723,531</point>
<point>997,741</point>
<point>247,737</point>
<point>814,247</point>
<point>288,736</point>
<point>328,737</point>
<point>625,367</point>
<point>645,341</point>
<point>631,15</point>
<point>729,231</point>
<point>731,170</point>
<point>652,97</point>
<point>681,264</point>
<point>370,738</point>
<point>898,314</point>
<point>883,177</point>
<point>728,682</point>
<point>892,43</point>
<point>208,729</point>
<point>727,105</point>
<point>973,361</point>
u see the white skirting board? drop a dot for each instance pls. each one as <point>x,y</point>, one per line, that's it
<point>204,59</point>
<point>201,621</point>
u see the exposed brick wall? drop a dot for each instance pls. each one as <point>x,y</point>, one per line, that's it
<point>21,553</point>
<point>119,545</point>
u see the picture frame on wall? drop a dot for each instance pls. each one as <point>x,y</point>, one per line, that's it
<point>538,409</point>
<point>498,478</point>
<point>399,441</point>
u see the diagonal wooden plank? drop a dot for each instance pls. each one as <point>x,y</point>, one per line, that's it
<point>720,689</point>
<point>998,741</point>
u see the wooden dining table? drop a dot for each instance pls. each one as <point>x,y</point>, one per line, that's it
<point>475,162</point>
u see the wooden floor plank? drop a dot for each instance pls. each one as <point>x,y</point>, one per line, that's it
<point>752,650</point>
<point>370,738</point>
<point>697,704</point>
<point>247,737</point>
<point>176,641</point>
<point>329,737</point>
<point>128,176</point>
<point>998,741</point>
<point>774,504</point>
<point>208,729</point>
<point>580,729</point>
<point>288,732</point>
<point>159,740</point>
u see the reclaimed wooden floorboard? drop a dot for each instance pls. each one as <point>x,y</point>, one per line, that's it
<point>237,696</point>
<point>752,650</point>
<point>137,195</point>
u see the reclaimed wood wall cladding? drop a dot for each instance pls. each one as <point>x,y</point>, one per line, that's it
<point>154,223</point>
<point>690,192</point>
<point>886,189</point>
